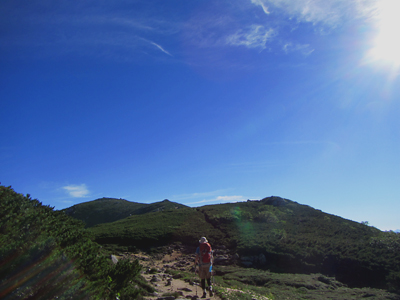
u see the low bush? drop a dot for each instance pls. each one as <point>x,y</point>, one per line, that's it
<point>46,254</point>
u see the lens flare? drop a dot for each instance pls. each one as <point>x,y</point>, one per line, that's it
<point>386,44</point>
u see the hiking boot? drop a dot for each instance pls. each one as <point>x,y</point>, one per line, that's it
<point>204,295</point>
<point>211,292</point>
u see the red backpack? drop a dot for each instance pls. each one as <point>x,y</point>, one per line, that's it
<point>205,253</point>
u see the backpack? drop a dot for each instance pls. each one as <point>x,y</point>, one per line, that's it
<point>205,253</point>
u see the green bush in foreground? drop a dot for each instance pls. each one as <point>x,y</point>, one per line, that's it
<point>45,254</point>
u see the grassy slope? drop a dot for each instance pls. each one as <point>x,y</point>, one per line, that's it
<point>45,254</point>
<point>293,238</point>
<point>299,239</point>
<point>154,229</point>
<point>105,210</point>
<point>252,284</point>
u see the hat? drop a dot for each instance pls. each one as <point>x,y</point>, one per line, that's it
<point>203,240</point>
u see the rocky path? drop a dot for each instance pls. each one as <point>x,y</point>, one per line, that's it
<point>168,286</point>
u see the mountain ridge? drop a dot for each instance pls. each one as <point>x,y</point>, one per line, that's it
<point>266,243</point>
<point>137,208</point>
<point>106,210</point>
<point>274,234</point>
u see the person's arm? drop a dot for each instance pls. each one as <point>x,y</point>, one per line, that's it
<point>197,258</point>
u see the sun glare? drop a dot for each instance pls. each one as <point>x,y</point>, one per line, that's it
<point>386,47</point>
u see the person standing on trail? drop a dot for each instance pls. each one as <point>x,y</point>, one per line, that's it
<point>204,258</point>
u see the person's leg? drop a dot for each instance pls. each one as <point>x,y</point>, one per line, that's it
<point>203,276</point>
<point>203,286</point>
<point>209,286</point>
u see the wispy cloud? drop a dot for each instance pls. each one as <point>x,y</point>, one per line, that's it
<point>197,195</point>
<point>304,49</point>
<point>77,191</point>
<point>112,32</point>
<point>330,13</point>
<point>222,199</point>
<point>106,31</point>
<point>256,36</point>
<point>161,48</point>
<point>262,4</point>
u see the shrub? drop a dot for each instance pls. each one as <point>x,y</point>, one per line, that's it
<point>46,254</point>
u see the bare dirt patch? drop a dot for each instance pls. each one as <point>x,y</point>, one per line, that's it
<point>168,286</point>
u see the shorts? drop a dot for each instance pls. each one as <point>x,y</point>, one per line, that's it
<point>204,271</point>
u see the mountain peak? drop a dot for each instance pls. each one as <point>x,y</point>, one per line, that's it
<point>106,210</point>
<point>275,201</point>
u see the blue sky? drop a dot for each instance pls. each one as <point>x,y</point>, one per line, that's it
<point>204,102</point>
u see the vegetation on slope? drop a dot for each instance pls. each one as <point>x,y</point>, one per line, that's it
<point>105,210</point>
<point>249,283</point>
<point>185,225</point>
<point>45,254</point>
<point>299,239</point>
<point>273,234</point>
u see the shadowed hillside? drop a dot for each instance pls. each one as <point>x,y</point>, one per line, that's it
<point>45,254</point>
<point>105,210</point>
<point>275,234</point>
<point>156,229</point>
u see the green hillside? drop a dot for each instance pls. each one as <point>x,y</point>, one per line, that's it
<point>105,210</point>
<point>275,234</point>
<point>156,229</point>
<point>45,254</point>
<point>299,239</point>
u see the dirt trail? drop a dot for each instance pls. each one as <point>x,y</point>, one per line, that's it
<point>154,273</point>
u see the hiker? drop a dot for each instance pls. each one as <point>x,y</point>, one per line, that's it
<point>204,258</point>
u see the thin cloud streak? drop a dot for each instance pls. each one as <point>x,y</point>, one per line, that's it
<point>98,33</point>
<point>262,4</point>
<point>254,37</point>
<point>330,13</point>
<point>161,48</point>
<point>197,195</point>
<point>77,191</point>
<point>123,37</point>
<point>303,49</point>
<point>222,199</point>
